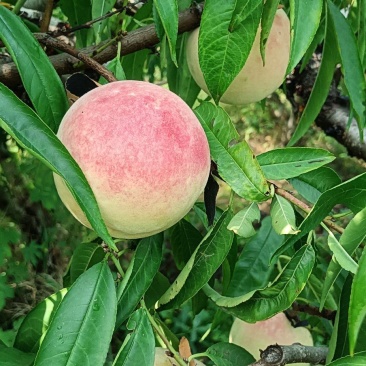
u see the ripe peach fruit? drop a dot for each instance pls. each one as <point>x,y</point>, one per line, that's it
<point>162,359</point>
<point>255,81</point>
<point>262,334</point>
<point>143,152</point>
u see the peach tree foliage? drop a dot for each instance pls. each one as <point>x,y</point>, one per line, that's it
<point>112,289</point>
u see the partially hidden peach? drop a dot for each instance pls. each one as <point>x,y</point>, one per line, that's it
<point>262,334</point>
<point>143,152</point>
<point>255,81</point>
<point>162,358</point>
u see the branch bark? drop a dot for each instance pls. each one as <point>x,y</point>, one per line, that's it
<point>334,116</point>
<point>277,355</point>
<point>136,40</point>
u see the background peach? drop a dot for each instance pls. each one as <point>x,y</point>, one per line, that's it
<point>255,81</point>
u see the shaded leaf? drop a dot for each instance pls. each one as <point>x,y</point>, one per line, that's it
<point>139,346</point>
<point>13,357</point>
<point>351,193</point>
<point>203,263</point>
<point>210,194</point>
<point>228,354</point>
<point>319,93</point>
<point>81,334</point>
<point>357,359</point>
<point>312,184</point>
<point>36,323</point>
<point>305,21</point>
<point>39,77</point>
<point>252,269</point>
<point>242,223</point>
<point>185,239</point>
<point>20,122</point>
<point>84,257</point>
<point>292,161</point>
<point>139,276</point>
<point>168,14</point>
<point>282,293</point>
<point>352,70</point>
<point>353,235</point>
<point>283,216</point>
<point>237,164</point>
<point>357,306</point>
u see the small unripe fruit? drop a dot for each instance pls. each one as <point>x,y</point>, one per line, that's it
<point>162,358</point>
<point>262,334</point>
<point>143,152</point>
<point>255,81</point>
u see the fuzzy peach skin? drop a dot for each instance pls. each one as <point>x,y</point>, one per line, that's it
<point>162,358</point>
<point>262,334</point>
<point>255,81</point>
<point>143,152</point>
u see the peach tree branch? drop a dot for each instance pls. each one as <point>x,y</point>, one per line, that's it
<point>276,355</point>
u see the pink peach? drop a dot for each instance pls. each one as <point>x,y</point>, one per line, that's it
<point>143,152</point>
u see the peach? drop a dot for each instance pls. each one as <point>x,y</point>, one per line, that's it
<point>255,81</point>
<point>262,334</point>
<point>143,152</point>
<point>162,358</point>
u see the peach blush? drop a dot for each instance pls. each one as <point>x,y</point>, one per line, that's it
<point>143,152</point>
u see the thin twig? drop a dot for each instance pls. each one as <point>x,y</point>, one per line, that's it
<point>158,331</point>
<point>136,40</point>
<point>306,208</point>
<point>46,18</point>
<point>86,25</point>
<point>312,310</point>
<point>58,44</point>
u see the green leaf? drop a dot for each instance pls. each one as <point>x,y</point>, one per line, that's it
<point>139,276</point>
<point>312,184</point>
<point>268,15</point>
<point>242,223</point>
<point>305,21</point>
<point>168,14</point>
<point>338,345</point>
<point>82,327</point>
<point>100,8</point>
<point>340,254</point>
<point>139,346</point>
<point>252,269</point>
<point>20,122</point>
<point>180,80</point>
<point>353,235</point>
<point>228,354</point>
<point>6,291</point>
<point>237,164</point>
<point>357,306</point>
<point>357,359</point>
<point>36,323</point>
<point>351,193</point>
<point>352,69</point>
<point>13,357</point>
<point>292,161</point>
<point>283,216</point>
<point>133,64</point>
<point>319,93</point>
<point>156,290</point>
<point>39,77</point>
<point>85,256</point>
<point>79,12</point>
<point>203,263</point>
<point>185,238</point>
<point>283,292</point>
<point>223,53</point>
